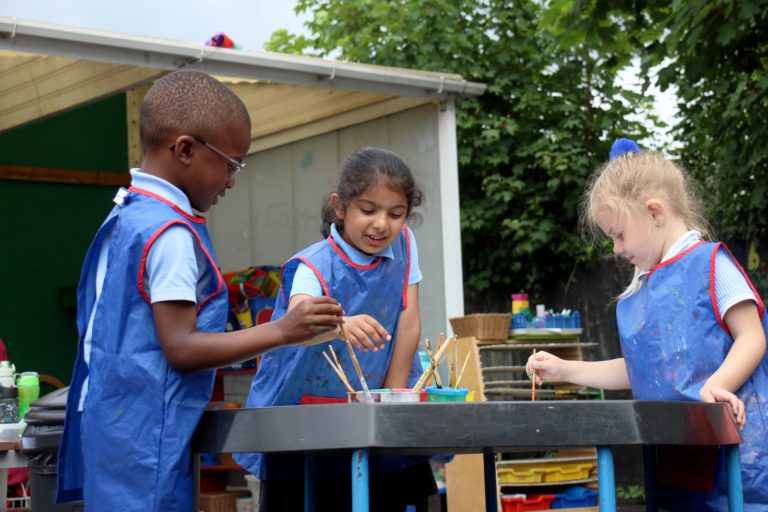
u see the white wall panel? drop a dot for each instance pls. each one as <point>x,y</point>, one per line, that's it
<point>282,190</point>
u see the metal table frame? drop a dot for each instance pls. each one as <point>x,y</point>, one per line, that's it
<point>475,427</point>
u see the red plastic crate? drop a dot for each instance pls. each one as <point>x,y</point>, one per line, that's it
<point>538,502</point>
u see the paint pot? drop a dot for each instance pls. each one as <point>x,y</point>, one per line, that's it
<point>401,396</point>
<point>361,397</point>
<point>447,394</point>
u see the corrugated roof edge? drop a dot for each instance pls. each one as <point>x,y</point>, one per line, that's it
<point>90,44</point>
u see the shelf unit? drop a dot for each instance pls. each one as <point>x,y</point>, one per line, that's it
<point>216,478</point>
<point>496,372</point>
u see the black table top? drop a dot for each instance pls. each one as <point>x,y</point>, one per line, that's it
<point>472,427</point>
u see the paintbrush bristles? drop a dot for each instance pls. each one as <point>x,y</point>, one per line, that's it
<point>358,369</point>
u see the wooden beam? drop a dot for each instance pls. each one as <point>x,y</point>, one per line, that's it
<point>133,98</point>
<point>335,122</point>
<point>52,175</point>
<point>38,87</point>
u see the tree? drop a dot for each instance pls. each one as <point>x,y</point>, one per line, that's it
<point>526,147</point>
<point>715,53</point>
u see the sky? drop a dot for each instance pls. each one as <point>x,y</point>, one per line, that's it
<point>249,23</point>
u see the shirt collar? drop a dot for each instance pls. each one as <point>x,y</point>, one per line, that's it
<point>162,188</point>
<point>358,257</point>
<point>684,242</point>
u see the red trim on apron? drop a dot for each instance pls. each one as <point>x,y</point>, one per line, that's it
<point>194,218</point>
<point>758,300</point>
<point>148,246</point>
<point>674,258</point>
<point>352,263</point>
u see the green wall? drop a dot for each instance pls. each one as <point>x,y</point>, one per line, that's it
<point>46,228</point>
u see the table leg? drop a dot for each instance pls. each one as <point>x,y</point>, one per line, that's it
<point>196,481</point>
<point>733,474</point>
<point>649,477</point>
<point>606,480</point>
<point>309,482</point>
<point>360,500</point>
<point>489,468</point>
<point>3,488</point>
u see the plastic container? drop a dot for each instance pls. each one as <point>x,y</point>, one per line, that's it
<point>40,443</point>
<point>517,503</point>
<point>9,405</point>
<point>28,384</point>
<point>519,302</point>
<point>540,471</point>
<point>7,371</point>
<point>447,394</point>
<point>254,485</point>
<point>362,397</point>
<point>575,497</point>
<point>401,396</point>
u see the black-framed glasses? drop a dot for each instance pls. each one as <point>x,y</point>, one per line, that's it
<point>233,166</point>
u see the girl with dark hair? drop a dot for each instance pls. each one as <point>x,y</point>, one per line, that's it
<point>368,261</point>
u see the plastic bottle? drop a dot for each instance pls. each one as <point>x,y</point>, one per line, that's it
<point>29,391</point>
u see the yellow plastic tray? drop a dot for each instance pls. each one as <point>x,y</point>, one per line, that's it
<point>539,471</point>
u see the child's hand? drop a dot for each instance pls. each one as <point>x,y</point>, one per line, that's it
<point>365,332</point>
<point>548,367</point>
<point>716,394</point>
<point>310,317</point>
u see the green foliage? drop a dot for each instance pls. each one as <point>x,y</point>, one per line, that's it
<point>630,494</point>
<point>715,54</point>
<point>526,146</point>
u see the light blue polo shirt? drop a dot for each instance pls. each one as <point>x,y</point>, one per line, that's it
<point>305,281</point>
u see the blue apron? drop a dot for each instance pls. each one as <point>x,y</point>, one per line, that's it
<point>288,373</point>
<point>128,449</point>
<point>673,339</point>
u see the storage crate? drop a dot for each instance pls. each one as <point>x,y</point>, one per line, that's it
<point>483,326</point>
<point>540,471</point>
<point>566,472</point>
<point>524,475</point>
<point>575,497</point>
<point>520,504</point>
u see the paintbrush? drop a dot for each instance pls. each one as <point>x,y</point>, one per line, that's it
<point>343,380</point>
<point>432,367</point>
<point>438,380</point>
<point>454,365</point>
<point>359,371</point>
<point>463,367</point>
<point>533,379</point>
<point>338,364</point>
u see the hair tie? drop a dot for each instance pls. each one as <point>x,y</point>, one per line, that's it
<point>622,147</point>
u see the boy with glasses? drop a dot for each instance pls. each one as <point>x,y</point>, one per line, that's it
<point>152,307</point>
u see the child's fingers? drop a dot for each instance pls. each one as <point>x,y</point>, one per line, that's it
<point>360,338</point>
<point>376,331</point>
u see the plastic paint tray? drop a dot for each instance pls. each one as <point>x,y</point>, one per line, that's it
<point>402,396</point>
<point>520,475</point>
<point>574,497</point>
<point>544,472</point>
<point>520,504</point>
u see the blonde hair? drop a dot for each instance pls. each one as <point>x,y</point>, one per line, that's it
<point>622,186</point>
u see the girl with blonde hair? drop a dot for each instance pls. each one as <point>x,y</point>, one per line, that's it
<point>691,325</point>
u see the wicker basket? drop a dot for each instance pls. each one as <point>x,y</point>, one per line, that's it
<point>483,326</point>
